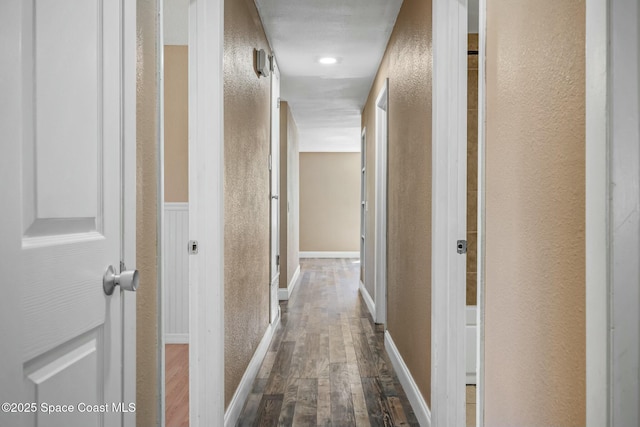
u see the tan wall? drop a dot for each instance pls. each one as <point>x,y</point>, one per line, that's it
<point>289,196</point>
<point>147,399</point>
<point>408,65</point>
<point>176,124</point>
<point>329,201</point>
<point>535,210</point>
<point>472,172</point>
<point>246,187</point>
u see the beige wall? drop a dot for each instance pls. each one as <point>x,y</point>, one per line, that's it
<point>147,399</point>
<point>472,172</point>
<point>535,210</point>
<point>289,196</point>
<point>329,202</point>
<point>246,187</point>
<point>408,65</point>
<point>176,124</point>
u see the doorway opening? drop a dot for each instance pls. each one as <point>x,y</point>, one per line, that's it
<point>174,213</point>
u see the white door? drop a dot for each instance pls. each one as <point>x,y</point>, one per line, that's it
<point>67,115</point>
<point>275,190</point>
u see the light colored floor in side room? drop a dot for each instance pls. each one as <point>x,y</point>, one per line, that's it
<point>177,385</point>
<point>471,406</point>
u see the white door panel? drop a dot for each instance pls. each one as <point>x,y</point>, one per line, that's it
<point>62,195</point>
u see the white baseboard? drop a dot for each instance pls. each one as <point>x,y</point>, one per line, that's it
<point>234,409</point>
<point>368,300</point>
<point>420,408</point>
<point>326,254</point>
<point>284,294</point>
<point>176,338</point>
<point>176,206</point>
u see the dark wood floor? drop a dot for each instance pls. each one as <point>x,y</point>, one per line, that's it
<point>327,365</point>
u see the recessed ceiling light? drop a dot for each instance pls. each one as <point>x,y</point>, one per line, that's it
<point>327,60</point>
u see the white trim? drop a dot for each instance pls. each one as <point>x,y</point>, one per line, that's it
<point>482,112</point>
<point>367,299</point>
<point>418,404</point>
<point>206,213</point>
<point>246,383</point>
<point>176,206</point>
<point>597,215</point>
<point>129,172</point>
<point>363,201</point>
<point>449,164</point>
<point>381,170</point>
<point>330,254</point>
<point>612,217</point>
<point>176,338</point>
<point>285,294</point>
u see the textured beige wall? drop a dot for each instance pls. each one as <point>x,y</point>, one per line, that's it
<point>246,187</point>
<point>408,64</point>
<point>147,399</point>
<point>289,196</point>
<point>329,201</point>
<point>472,172</point>
<point>176,124</point>
<point>535,210</point>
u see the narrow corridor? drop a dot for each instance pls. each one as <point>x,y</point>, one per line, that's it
<point>327,364</point>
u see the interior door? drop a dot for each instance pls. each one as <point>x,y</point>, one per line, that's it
<point>67,105</point>
<point>275,189</point>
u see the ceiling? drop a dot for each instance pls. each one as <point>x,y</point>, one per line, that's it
<point>326,100</point>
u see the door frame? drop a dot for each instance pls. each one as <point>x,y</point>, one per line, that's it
<point>274,173</point>
<point>449,172</point>
<point>129,203</point>
<point>206,213</point>
<point>481,225</point>
<point>363,203</point>
<point>381,185</point>
<point>612,219</point>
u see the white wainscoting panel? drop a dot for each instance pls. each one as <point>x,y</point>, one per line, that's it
<point>176,273</point>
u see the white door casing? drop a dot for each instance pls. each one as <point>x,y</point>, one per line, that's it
<point>67,118</point>
<point>363,202</point>
<point>274,172</point>
<point>382,117</point>
<point>449,211</point>
<point>206,213</point>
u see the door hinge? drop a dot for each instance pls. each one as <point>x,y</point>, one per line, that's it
<point>193,247</point>
<point>462,246</point>
<point>270,161</point>
<point>278,102</point>
<point>277,259</point>
<point>272,62</point>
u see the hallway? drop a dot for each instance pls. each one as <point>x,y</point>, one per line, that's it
<point>326,364</point>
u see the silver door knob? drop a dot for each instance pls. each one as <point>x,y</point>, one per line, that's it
<point>128,280</point>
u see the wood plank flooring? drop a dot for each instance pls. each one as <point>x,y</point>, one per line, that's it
<point>326,365</point>
<point>177,385</point>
